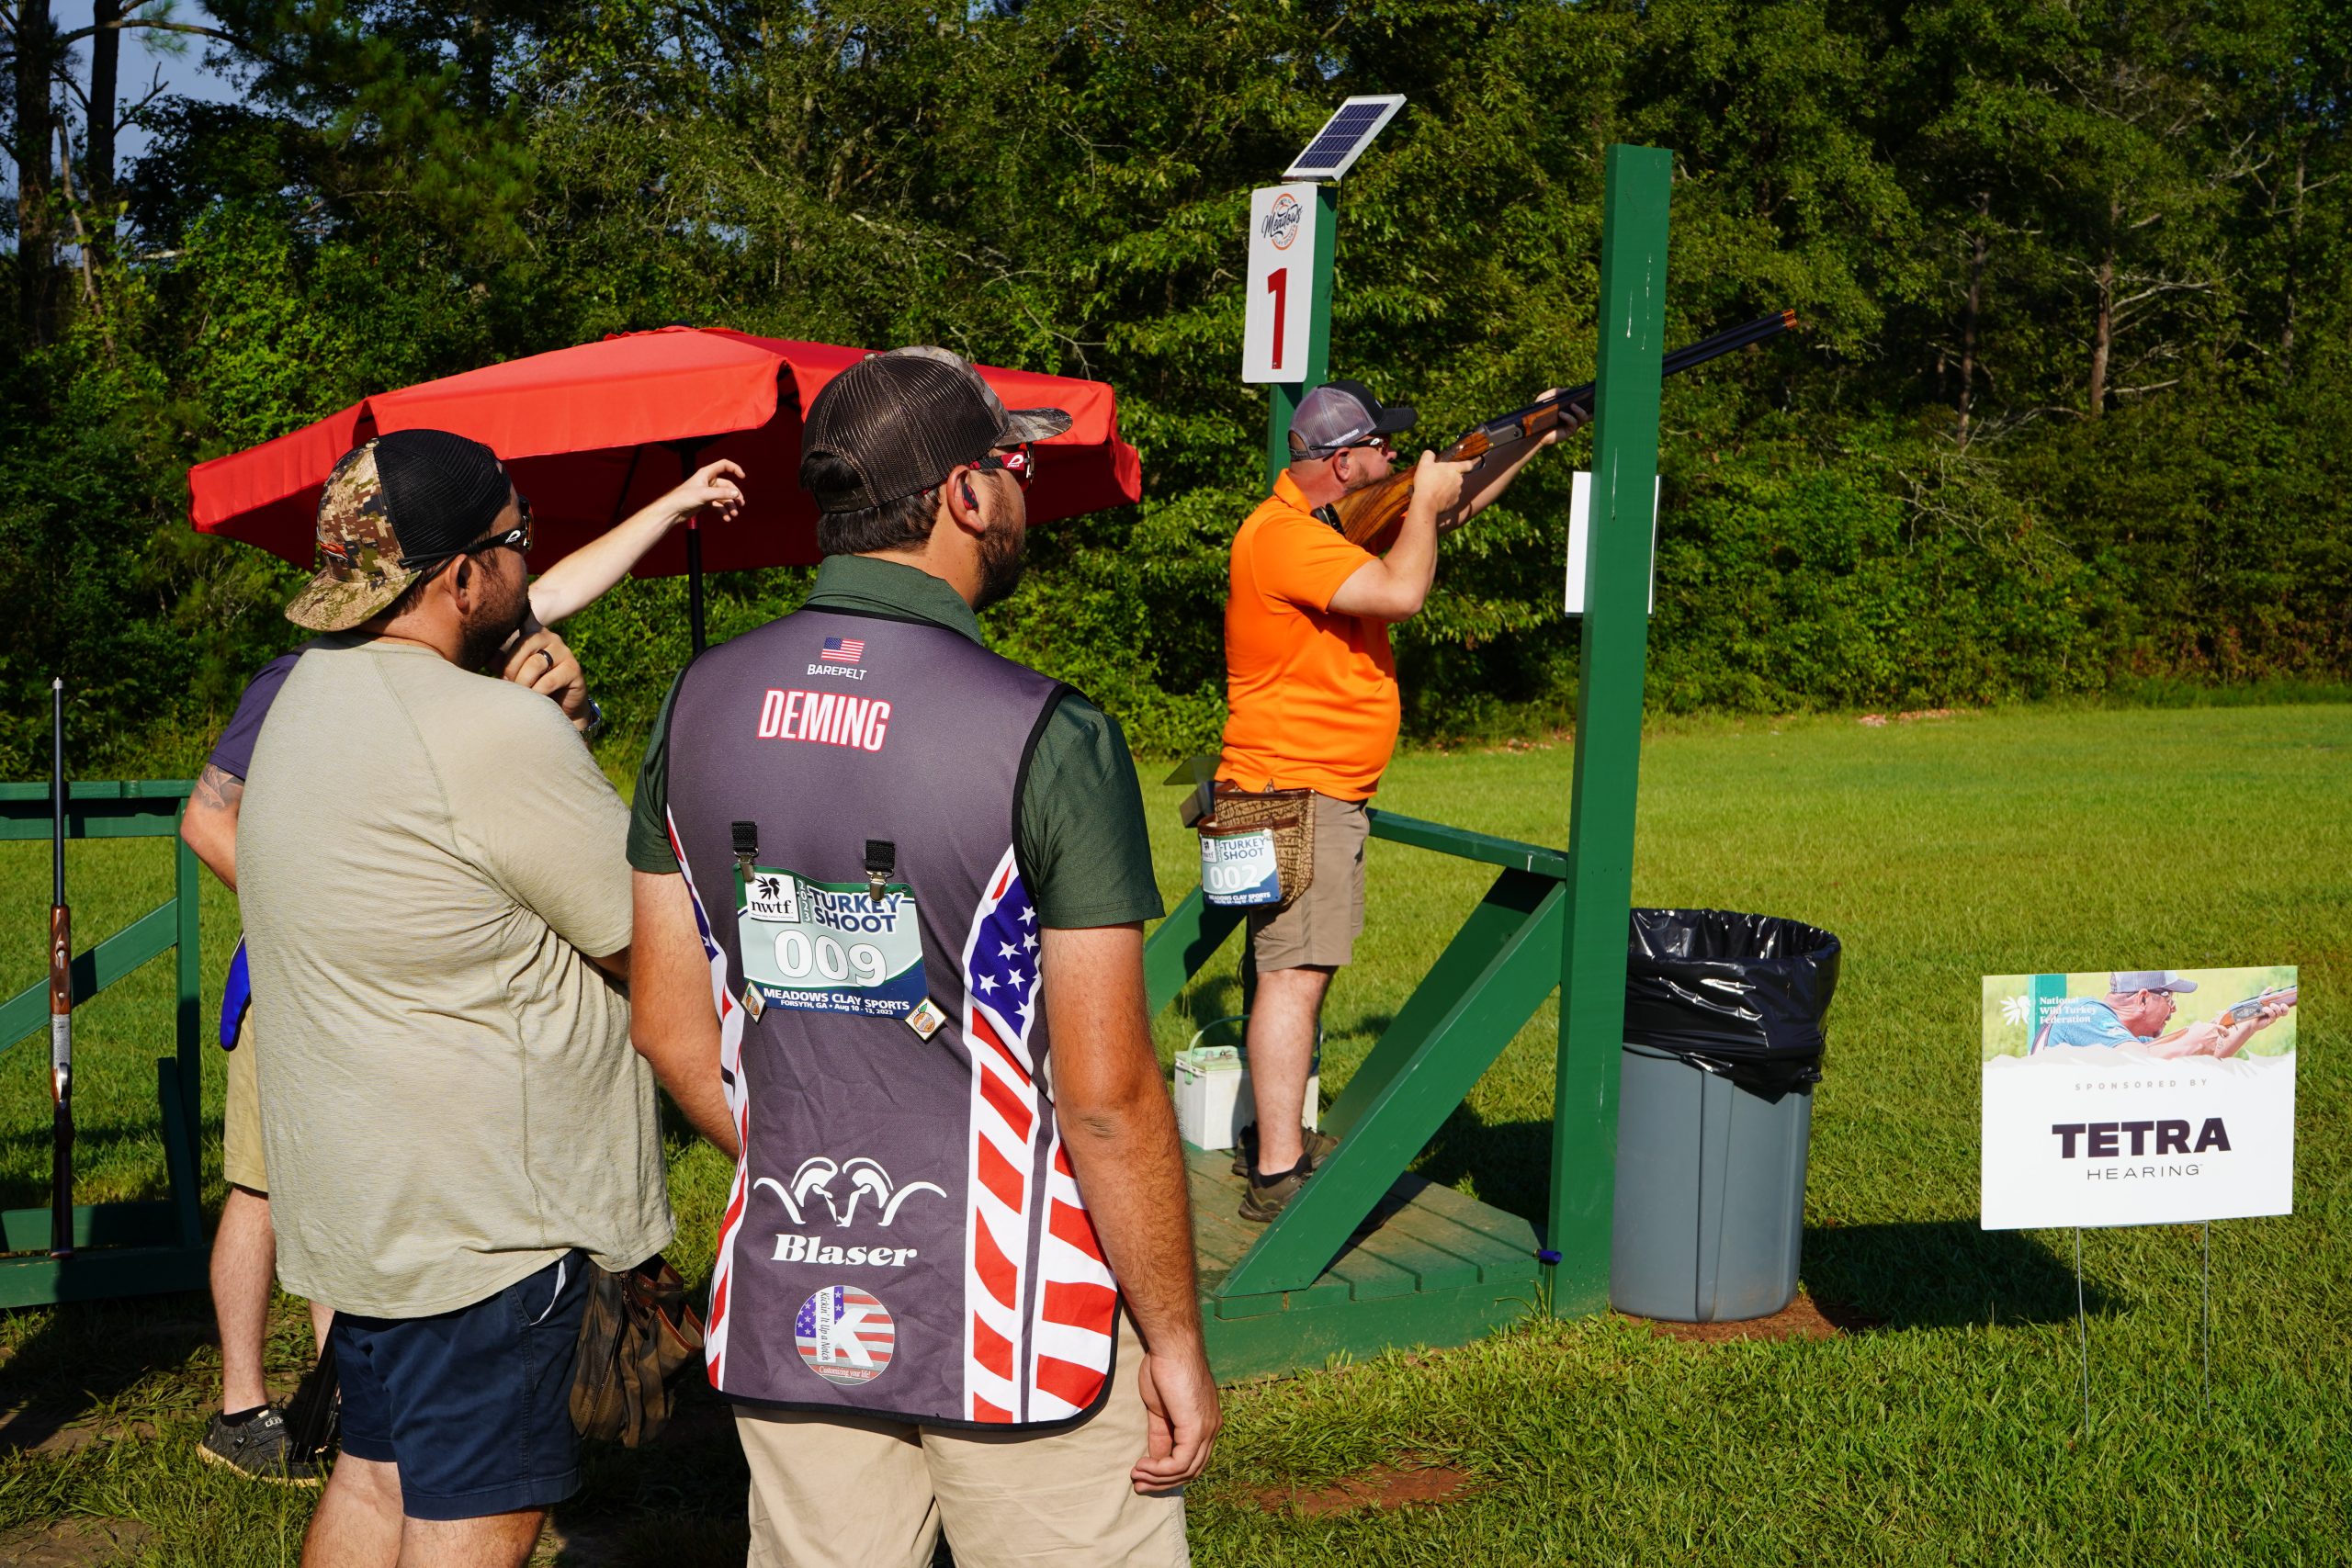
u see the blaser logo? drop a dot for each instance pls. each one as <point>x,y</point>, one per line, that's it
<point>865,1179</point>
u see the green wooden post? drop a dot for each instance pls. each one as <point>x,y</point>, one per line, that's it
<point>1639,186</point>
<point>1283,397</point>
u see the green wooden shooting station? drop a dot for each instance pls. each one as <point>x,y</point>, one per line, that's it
<point>1367,1256</point>
<point>143,1247</point>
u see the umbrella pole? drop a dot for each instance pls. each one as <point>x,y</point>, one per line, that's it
<point>687,451</point>
<point>693,578</point>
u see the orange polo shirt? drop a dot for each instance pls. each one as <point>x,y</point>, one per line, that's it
<point>1311,695</point>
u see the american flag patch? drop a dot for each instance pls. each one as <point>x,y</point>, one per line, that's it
<point>843,650</point>
<point>845,1336</point>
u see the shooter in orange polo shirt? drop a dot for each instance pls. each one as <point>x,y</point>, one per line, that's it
<point>1311,694</point>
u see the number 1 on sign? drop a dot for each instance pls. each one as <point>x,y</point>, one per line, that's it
<point>1278,285</point>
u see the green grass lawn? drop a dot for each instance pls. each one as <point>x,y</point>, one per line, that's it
<point>1948,1431</point>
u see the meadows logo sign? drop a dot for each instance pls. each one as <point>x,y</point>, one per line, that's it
<point>1280,226</point>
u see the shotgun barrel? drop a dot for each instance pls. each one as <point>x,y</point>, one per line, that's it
<point>60,994</point>
<point>1371,516</point>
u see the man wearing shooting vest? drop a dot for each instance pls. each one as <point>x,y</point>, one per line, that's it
<point>955,1282</point>
<point>1312,707</point>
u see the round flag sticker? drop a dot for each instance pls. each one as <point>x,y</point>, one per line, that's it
<point>845,1336</point>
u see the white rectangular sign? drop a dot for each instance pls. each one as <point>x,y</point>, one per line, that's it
<point>1580,539</point>
<point>1281,284</point>
<point>2147,1097</point>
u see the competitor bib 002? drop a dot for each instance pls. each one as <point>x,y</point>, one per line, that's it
<point>1239,868</point>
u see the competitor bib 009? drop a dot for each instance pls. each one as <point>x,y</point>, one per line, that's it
<point>829,946</point>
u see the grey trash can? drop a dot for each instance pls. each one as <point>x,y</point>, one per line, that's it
<point>1714,1114</point>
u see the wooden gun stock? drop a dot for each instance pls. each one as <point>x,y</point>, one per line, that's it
<point>1371,516</point>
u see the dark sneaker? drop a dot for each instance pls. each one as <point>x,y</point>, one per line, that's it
<point>1264,1199</point>
<point>257,1447</point>
<point>1318,1147</point>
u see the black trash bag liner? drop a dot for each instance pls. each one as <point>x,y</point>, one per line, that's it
<point>1740,996</point>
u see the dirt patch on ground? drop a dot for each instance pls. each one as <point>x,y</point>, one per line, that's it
<point>1408,1482</point>
<point>72,1544</point>
<point>1802,1318</point>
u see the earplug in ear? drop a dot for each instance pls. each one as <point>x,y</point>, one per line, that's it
<point>969,499</point>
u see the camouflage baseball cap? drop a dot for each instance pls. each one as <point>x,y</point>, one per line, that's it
<point>394,508</point>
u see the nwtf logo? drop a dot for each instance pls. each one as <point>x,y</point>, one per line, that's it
<point>1279,225</point>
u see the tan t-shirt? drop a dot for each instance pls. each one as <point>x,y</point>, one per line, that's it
<point>449,1099</point>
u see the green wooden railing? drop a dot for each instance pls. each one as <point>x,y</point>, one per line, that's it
<point>141,1246</point>
<point>1486,986</point>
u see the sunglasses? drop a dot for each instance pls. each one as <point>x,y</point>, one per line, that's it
<point>1375,443</point>
<point>517,537</point>
<point>1018,461</point>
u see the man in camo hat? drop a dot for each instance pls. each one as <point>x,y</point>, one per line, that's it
<point>437,917</point>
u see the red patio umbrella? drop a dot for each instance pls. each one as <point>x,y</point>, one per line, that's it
<point>592,432</point>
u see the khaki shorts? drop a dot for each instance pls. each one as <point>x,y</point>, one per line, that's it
<point>1319,928</point>
<point>241,1119</point>
<point>835,1492</point>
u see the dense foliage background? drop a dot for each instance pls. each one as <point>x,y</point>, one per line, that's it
<point>2070,413</point>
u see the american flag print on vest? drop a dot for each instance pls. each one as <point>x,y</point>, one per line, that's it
<point>739,1109</point>
<point>1041,1297</point>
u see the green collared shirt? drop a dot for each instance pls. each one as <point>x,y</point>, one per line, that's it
<point>1084,850</point>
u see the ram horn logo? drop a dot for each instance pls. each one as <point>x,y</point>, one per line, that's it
<point>864,1178</point>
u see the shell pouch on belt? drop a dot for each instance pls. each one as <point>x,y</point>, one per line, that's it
<point>1257,847</point>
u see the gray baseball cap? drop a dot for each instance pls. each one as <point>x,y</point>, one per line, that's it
<point>1340,413</point>
<point>2123,982</point>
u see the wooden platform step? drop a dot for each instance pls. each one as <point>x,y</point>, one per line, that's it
<point>1429,1267</point>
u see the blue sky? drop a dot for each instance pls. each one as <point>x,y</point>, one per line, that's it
<point>146,53</point>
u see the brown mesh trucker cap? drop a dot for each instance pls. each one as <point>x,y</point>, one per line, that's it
<point>897,423</point>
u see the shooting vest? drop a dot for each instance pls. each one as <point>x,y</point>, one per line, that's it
<point>904,1237</point>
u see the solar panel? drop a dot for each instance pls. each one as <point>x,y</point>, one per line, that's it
<point>1344,137</point>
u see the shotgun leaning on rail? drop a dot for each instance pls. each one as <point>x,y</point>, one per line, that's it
<point>60,996</point>
<point>1371,516</point>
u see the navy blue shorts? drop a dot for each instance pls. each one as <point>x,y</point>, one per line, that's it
<point>474,1405</point>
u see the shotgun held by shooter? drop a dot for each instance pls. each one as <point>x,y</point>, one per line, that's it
<point>1371,516</point>
<point>2283,996</point>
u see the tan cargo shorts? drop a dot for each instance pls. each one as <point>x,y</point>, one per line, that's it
<point>853,1492</point>
<point>241,1163</point>
<point>1319,928</point>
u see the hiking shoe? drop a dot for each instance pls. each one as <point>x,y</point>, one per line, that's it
<point>257,1447</point>
<point>1264,1199</point>
<point>1317,1145</point>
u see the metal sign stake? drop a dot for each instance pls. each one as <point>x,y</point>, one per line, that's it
<point>2083,1329</point>
<point>2205,1240</point>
